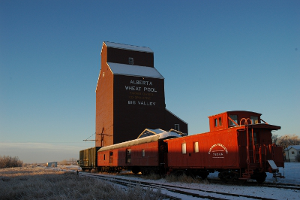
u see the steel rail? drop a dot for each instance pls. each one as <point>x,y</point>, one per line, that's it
<point>175,189</point>
<point>253,184</point>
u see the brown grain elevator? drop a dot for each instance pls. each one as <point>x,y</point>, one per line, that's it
<point>130,95</point>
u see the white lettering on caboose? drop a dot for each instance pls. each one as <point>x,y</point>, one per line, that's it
<point>218,150</point>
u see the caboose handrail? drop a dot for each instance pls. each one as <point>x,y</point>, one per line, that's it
<point>233,121</point>
<point>263,121</point>
<point>246,121</point>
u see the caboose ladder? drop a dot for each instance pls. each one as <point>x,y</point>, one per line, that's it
<point>252,163</point>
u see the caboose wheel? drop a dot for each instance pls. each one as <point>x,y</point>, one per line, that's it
<point>204,175</point>
<point>261,177</point>
<point>226,176</point>
<point>135,170</point>
<point>179,173</point>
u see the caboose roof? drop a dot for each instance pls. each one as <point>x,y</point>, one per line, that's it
<point>236,112</point>
<point>134,70</point>
<point>128,47</point>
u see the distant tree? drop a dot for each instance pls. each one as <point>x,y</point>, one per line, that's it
<point>274,139</point>
<point>287,140</point>
<point>71,161</point>
<point>8,161</point>
<point>63,162</point>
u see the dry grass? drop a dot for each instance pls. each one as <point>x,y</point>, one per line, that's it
<point>182,178</point>
<point>151,176</point>
<point>41,183</point>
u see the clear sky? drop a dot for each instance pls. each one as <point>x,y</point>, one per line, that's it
<point>214,55</point>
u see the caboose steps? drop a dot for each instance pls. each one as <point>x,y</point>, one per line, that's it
<point>254,165</point>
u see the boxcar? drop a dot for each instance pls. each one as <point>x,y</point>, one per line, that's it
<point>238,145</point>
<point>88,158</point>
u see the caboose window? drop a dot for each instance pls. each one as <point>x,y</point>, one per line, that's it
<point>104,157</point>
<point>196,147</point>
<point>143,152</point>
<point>254,119</point>
<point>234,118</point>
<point>183,148</point>
<point>220,121</point>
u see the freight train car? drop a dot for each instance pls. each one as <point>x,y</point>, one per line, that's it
<point>88,158</point>
<point>146,154</point>
<point>238,145</point>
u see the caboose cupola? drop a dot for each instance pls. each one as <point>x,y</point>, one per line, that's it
<point>233,118</point>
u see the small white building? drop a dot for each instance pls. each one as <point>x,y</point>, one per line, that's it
<point>292,152</point>
<point>51,164</point>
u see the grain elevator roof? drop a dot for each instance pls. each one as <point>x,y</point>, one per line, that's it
<point>134,70</point>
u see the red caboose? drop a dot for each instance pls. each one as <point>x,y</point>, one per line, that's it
<point>238,145</point>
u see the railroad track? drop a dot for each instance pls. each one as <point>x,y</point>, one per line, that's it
<point>174,192</point>
<point>255,184</point>
<point>282,185</point>
<point>123,182</point>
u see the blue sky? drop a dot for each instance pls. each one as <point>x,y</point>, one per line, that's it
<point>215,56</point>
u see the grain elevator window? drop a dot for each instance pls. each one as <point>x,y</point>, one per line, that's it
<point>130,61</point>
<point>177,127</point>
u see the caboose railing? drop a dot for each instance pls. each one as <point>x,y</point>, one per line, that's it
<point>256,153</point>
<point>248,142</point>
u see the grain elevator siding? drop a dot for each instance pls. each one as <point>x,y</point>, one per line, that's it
<point>135,110</point>
<point>121,56</point>
<point>129,95</point>
<point>104,104</point>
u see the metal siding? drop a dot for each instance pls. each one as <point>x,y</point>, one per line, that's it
<point>88,157</point>
<point>216,150</point>
<point>278,156</point>
<point>150,159</point>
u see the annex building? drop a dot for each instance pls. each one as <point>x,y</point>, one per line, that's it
<point>130,95</point>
